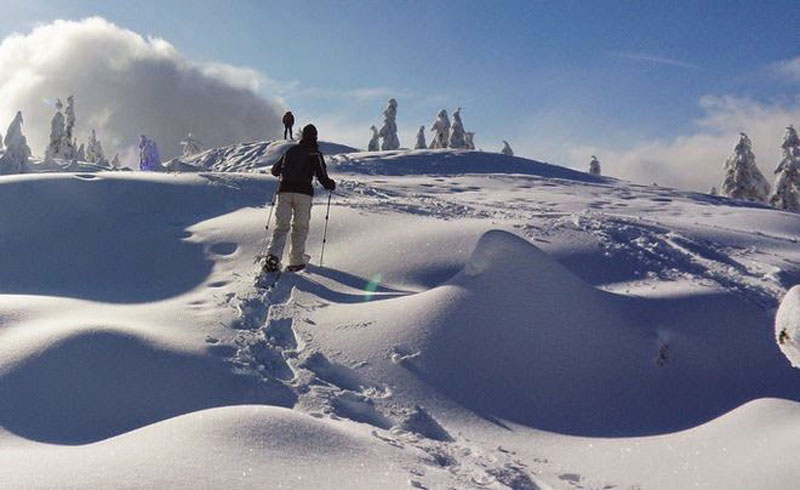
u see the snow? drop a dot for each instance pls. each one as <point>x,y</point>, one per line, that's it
<point>482,321</point>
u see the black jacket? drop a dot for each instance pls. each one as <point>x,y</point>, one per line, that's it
<point>298,166</point>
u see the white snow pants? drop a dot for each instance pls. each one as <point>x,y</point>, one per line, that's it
<point>293,212</point>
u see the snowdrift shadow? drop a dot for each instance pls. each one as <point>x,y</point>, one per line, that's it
<point>97,383</point>
<point>524,340</point>
<point>449,162</point>
<point>369,290</point>
<point>111,239</point>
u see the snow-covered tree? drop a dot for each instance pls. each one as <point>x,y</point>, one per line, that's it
<point>507,149</point>
<point>94,151</point>
<point>389,129</point>
<point>594,166</point>
<point>149,159</point>
<point>787,194</point>
<point>70,115</point>
<point>15,158</point>
<point>57,133</point>
<point>470,137</point>
<point>743,180</point>
<point>441,130</point>
<point>421,144</point>
<point>458,137</point>
<point>190,146</point>
<point>375,141</point>
<point>714,191</point>
<point>80,155</point>
<point>115,162</point>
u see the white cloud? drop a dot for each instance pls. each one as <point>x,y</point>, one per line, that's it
<point>661,60</point>
<point>125,85</point>
<point>694,161</point>
<point>787,69</point>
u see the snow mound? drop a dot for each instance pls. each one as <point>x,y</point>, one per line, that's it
<point>240,447</point>
<point>449,162</point>
<point>787,326</point>
<point>516,336</point>
<point>245,157</point>
<point>81,383</point>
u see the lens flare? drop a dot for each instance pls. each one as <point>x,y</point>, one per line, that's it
<point>372,286</point>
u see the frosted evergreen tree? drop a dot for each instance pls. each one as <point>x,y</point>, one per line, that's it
<point>421,144</point>
<point>115,162</point>
<point>375,141</point>
<point>470,137</point>
<point>507,149</point>
<point>458,138</point>
<point>594,166</point>
<point>786,194</point>
<point>15,158</point>
<point>70,122</point>
<point>743,179</point>
<point>389,129</point>
<point>190,146</point>
<point>149,158</point>
<point>714,191</point>
<point>57,133</point>
<point>80,155</point>
<point>94,151</point>
<point>441,130</point>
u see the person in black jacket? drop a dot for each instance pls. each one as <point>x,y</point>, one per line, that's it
<point>288,122</point>
<point>296,169</point>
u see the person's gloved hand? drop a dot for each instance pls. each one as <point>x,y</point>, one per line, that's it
<point>329,185</point>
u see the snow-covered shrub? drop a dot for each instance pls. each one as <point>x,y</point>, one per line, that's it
<point>374,143</point>
<point>507,149</point>
<point>594,166</point>
<point>421,144</point>
<point>190,146</point>
<point>94,151</point>
<point>743,179</point>
<point>470,140</point>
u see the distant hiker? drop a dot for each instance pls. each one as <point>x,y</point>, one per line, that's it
<point>288,122</point>
<point>296,169</point>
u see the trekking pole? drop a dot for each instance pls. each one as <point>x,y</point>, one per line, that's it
<point>325,233</point>
<point>263,251</point>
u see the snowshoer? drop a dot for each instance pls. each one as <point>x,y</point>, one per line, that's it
<point>288,122</point>
<point>296,169</point>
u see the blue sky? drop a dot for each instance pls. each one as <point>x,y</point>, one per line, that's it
<point>544,75</point>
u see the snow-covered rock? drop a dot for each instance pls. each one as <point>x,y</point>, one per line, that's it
<point>787,326</point>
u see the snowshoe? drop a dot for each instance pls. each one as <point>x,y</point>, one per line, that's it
<point>272,264</point>
<point>295,268</point>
